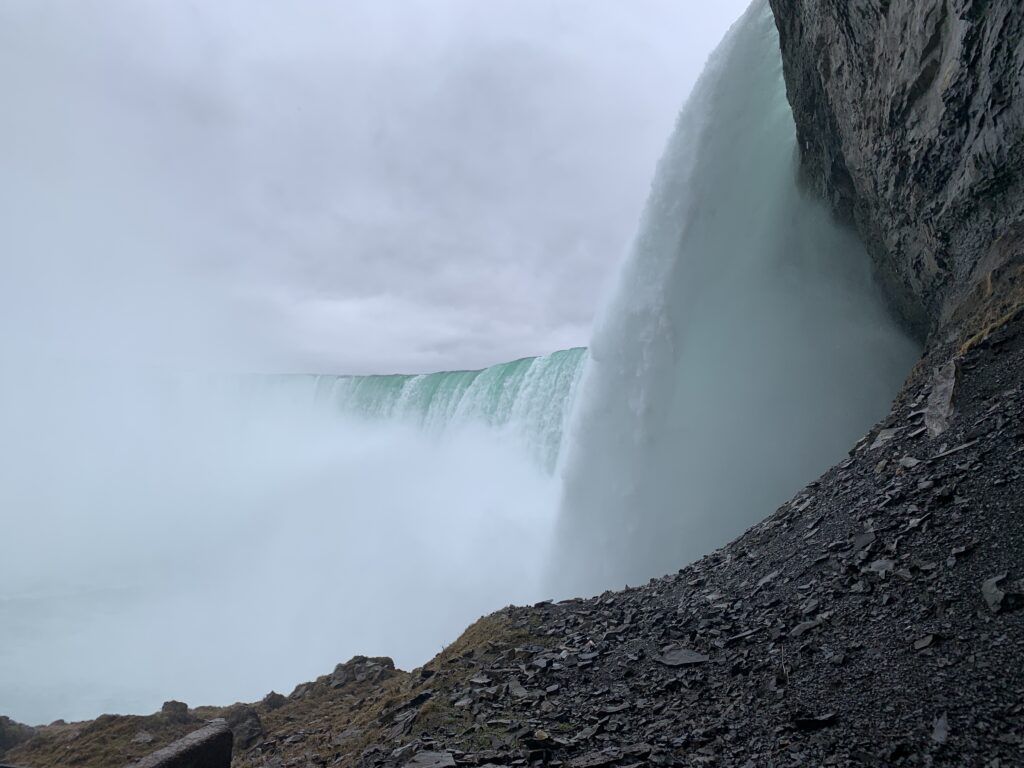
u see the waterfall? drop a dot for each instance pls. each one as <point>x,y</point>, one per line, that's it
<point>362,514</point>
<point>304,519</point>
<point>525,401</point>
<point>744,349</point>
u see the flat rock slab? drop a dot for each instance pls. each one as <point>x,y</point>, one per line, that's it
<point>209,747</point>
<point>681,657</point>
<point>432,760</point>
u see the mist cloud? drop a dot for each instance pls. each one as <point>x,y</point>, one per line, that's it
<point>191,188</point>
<point>335,187</point>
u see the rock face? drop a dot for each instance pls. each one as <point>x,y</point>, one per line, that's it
<point>12,734</point>
<point>361,669</point>
<point>175,711</point>
<point>209,747</point>
<point>244,722</point>
<point>910,121</point>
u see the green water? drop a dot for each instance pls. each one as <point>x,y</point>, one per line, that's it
<point>528,400</point>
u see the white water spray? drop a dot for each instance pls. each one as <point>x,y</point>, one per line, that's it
<point>743,352</point>
<point>209,538</point>
<point>524,402</point>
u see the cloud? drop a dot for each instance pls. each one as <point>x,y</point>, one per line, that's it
<point>369,185</point>
<point>363,186</point>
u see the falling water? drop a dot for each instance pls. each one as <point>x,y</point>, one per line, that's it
<point>299,520</point>
<point>525,401</point>
<point>745,347</point>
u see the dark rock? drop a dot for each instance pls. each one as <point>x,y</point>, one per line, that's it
<point>516,689</point>
<point>993,595</point>
<point>803,627</point>
<point>432,760</point>
<point>924,642</point>
<point>883,437</point>
<point>940,402</point>
<point>12,734</point>
<point>274,701</point>
<point>402,723</point>
<point>593,760</point>
<point>863,541</point>
<point>910,119</point>
<point>245,724</point>
<point>209,747</point>
<point>175,711</point>
<point>816,722</point>
<point>680,657</point>
<point>340,739</point>
<point>882,567</point>
<point>362,669</point>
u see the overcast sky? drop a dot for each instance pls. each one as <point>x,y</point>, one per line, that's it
<point>349,186</point>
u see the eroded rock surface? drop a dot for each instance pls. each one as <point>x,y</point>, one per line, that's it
<point>208,747</point>
<point>910,120</point>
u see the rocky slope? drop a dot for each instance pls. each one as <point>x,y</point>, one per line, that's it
<point>910,120</point>
<point>875,619</point>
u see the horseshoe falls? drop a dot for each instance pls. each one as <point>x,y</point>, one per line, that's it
<point>300,520</point>
<point>744,350</point>
<point>303,519</point>
<point>524,401</point>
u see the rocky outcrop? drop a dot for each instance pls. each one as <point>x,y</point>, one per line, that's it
<point>910,121</point>
<point>175,711</point>
<point>355,671</point>
<point>209,747</point>
<point>245,723</point>
<point>12,734</point>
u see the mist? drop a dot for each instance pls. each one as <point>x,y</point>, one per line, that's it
<point>745,347</point>
<point>194,193</point>
<point>175,543</point>
<point>346,188</point>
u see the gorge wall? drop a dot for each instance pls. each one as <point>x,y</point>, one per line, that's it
<point>910,121</point>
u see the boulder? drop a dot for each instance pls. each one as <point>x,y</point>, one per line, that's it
<point>12,734</point>
<point>209,747</point>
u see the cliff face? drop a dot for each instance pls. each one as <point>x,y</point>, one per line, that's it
<point>910,118</point>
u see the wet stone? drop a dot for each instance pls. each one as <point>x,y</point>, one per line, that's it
<point>432,760</point>
<point>680,657</point>
<point>815,722</point>
<point>993,595</point>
